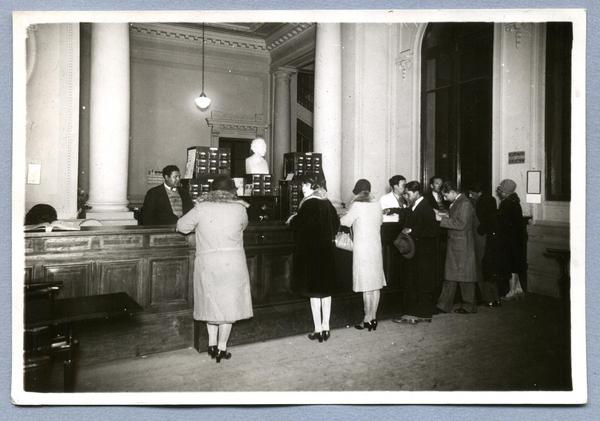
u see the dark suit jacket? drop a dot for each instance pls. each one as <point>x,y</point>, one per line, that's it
<point>157,208</point>
<point>422,221</point>
<point>422,267</point>
<point>428,195</point>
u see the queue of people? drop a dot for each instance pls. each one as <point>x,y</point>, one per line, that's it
<point>485,249</point>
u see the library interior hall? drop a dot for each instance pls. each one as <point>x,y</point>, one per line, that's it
<point>272,206</point>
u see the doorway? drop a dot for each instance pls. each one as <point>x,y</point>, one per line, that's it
<point>456,98</point>
<point>240,150</point>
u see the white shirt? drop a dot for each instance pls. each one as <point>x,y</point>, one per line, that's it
<point>170,188</point>
<point>390,201</point>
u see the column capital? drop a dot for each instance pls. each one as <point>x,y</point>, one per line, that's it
<point>284,72</point>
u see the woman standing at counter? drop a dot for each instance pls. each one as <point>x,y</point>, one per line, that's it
<point>221,280</point>
<point>315,224</point>
<point>364,216</point>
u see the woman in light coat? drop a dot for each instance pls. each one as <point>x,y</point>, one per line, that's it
<point>221,280</point>
<point>365,218</point>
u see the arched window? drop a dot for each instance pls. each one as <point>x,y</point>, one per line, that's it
<point>456,113</point>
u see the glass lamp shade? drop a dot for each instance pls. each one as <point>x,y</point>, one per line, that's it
<point>203,102</point>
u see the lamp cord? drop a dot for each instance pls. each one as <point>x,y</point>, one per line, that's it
<point>202,57</point>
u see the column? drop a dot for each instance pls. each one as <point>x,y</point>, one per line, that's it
<point>281,119</point>
<point>328,105</point>
<point>109,124</point>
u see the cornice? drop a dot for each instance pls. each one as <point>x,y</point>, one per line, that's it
<point>223,120</point>
<point>193,38</point>
<point>288,33</point>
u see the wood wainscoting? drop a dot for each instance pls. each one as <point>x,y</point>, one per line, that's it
<point>544,273</point>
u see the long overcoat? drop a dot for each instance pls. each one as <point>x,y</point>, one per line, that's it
<point>513,233</point>
<point>221,280</point>
<point>460,252</point>
<point>315,226</point>
<point>365,218</point>
<point>418,297</point>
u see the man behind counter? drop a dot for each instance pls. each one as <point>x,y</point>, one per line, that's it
<point>166,203</point>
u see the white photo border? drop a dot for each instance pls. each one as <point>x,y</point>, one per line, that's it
<point>21,20</point>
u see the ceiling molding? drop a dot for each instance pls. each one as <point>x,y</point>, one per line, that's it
<point>193,38</point>
<point>286,34</point>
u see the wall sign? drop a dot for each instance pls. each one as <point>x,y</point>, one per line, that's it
<point>34,173</point>
<point>155,177</point>
<point>517,157</point>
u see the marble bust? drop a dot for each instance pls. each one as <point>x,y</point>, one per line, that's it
<point>256,163</point>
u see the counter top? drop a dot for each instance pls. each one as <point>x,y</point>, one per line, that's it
<point>134,229</point>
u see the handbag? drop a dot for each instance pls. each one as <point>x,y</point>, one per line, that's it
<point>343,240</point>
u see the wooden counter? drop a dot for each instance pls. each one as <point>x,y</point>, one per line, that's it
<point>154,265</point>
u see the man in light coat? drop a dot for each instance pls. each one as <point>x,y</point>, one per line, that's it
<point>461,267</point>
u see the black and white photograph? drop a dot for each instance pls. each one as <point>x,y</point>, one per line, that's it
<point>299,207</point>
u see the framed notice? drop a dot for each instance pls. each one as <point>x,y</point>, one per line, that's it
<point>534,182</point>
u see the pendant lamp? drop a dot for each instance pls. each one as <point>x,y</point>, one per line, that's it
<point>203,102</point>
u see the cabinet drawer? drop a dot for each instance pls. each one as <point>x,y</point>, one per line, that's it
<point>268,237</point>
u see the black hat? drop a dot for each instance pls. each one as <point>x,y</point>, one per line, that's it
<point>362,185</point>
<point>405,245</point>
<point>222,182</point>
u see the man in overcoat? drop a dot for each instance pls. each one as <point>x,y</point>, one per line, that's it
<point>418,299</point>
<point>460,268</point>
<point>167,202</point>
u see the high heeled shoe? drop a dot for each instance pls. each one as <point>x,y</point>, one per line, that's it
<point>365,325</point>
<point>326,335</point>
<point>223,355</point>
<point>212,351</point>
<point>374,324</point>
<point>316,336</point>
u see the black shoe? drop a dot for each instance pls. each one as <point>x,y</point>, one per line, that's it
<point>212,351</point>
<point>316,336</point>
<point>326,335</point>
<point>374,324</point>
<point>410,321</point>
<point>491,304</point>
<point>461,311</point>
<point>438,310</point>
<point>223,355</point>
<point>365,325</point>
